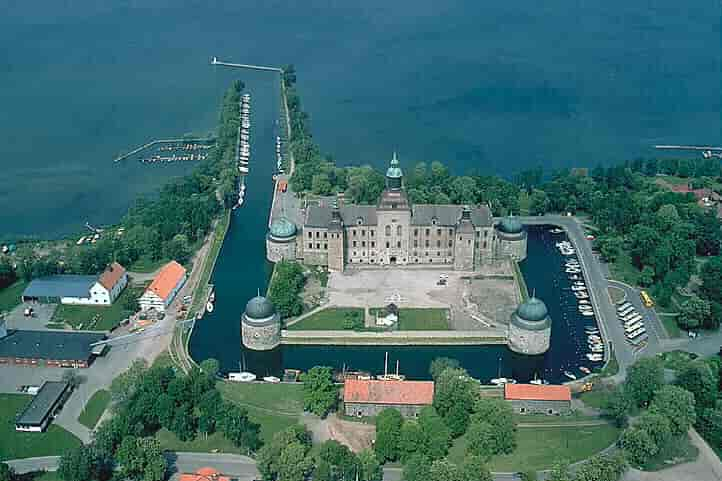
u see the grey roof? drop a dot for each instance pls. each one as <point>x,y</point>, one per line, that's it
<point>260,308</point>
<point>60,286</point>
<point>448,215</point>
<point>39,408</point>
<point>320,216</point>
<point>57,345</point>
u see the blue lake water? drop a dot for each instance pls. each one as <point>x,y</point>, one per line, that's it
<point>495,87</point>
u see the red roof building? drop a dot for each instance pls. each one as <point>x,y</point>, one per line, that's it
<point>538,399</point>
<point>165,286</point>
<point>204,474</point>
<point>368,397</point>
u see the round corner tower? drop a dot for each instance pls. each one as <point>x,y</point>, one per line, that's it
<point>260,325</point>
<point>281,241</point>
<point>530,328</point>
<point>511,238</point>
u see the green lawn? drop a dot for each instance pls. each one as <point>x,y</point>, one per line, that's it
<point>423,319</point>
<point>214,443</point>
<point>611,368</point>
<point>677,360</point>
<point>96,318</point>
<point>678,451</point>
<point>273,406</point>
<point>146,265</point>
<point>623,270</point>
<point>330,319</point>
<point>43,476</point>
<point>670,324</point>
<point>538,447</point>
<point>94,409</point>
<point>596,399</point>
<point>10,296</point>
<point>13,445</point>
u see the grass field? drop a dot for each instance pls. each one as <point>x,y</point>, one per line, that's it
<point>146,265</point>
<point>670,325</point>
<point>13,445</point>
<point>201,293</point>
<point>330,319</point>
<point>677,360</point>
<point>596,399</point>
<point>10,296</point>
<point>623,270</point>
<point>273,406</point>
<point>107,316</point>
<point>423,319</point>
<point>94,408</point>
<point>538,447</point>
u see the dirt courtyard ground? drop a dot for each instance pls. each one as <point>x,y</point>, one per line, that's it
<point>477,300</point>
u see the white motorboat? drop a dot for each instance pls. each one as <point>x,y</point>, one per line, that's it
<point>570,375</point>
<point>500,381</point>
<point>272,379</point>
<point>581,295</point>
<point>557,230</point>
<point>583,301</point>
<point>579,288</point>
<point>585,369</point>
<point>209,306</point>
<point>595,357</point>
<point>571,270</point>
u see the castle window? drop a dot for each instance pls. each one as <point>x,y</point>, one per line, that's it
<point>372,232</point>
<point>363,243</point>
<point>438,243</point>
<point>310,245</point>
<point>416,260</point>
<point>484,244</point>
<point>373,243</point>
<point>325,245</point>
<point>363,232</point>
<point>448,253</point>
<point>388,230</point>
<point>477,234</point>
<point>486,233</point>
<point>354,243</point>
<point>433,221</point>
<point>363,253</point>
<point>398,230</point>
<point>459,237</point>
<point>325,235</point>
<point>451,231</point>
<point>438,254</point>
<point>387,244</point>
<point>469,241</point>
<point>427,242</point>
<point>359,221</point>
<point>428,231</point>
<point>398,244</point>
<point>427,253</point>
<point>354,232</point>
<point>416,232</point>
<point>373,260</point>
<point>318,234</point>
<point>318,245</point>
<point>438,231</point>
<point>416,243</point>
<point>310,234</point>
<point>354,253</point>
<point>451,242</point>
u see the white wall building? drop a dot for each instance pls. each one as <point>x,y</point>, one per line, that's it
<point>163,289</point>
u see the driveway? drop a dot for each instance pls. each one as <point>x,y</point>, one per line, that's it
<point>41,316</point>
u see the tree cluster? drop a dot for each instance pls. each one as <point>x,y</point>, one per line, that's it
<point>286,285</point>
<point>603,467</point>
<point>320,395</point>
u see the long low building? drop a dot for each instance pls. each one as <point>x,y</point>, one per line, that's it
<point>100,290</point>
<point>163,289</point>
<point>368,397</point>
<point>48,348</point>
<point>39,413</point>
<point>538,399</point>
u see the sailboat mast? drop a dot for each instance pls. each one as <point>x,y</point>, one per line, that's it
<point>386,364</point>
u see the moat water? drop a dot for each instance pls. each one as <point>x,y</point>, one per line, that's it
<point>491,86</point>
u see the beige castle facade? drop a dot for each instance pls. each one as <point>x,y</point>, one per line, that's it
<point>396,233</point>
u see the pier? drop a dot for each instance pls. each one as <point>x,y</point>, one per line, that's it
<point>155,142</point>
<point>215,61</point>
<point>688,147</point>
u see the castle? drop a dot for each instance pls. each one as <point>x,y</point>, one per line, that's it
<point>396,233</point>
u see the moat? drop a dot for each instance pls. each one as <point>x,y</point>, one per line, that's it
<point>242,271</point>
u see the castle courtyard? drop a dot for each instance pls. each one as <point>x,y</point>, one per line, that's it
<point>479,300</point>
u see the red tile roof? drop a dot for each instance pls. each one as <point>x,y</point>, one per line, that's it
<point>533,392</point>
<point>388,392</point>
<point>698,193</point>
<point>166,280</point>
<point>204,474</point>
<point>112,274</point>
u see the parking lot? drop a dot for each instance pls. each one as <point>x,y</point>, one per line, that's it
<point>42,313</point>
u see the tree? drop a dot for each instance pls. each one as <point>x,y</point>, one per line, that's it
<point>210,368</point>
<point>617,406</point>
<point>480,440</point>
<point>6,472</point>
<point>444,470</point>
<point>677,405</point>
<point>560,471</point>
<point>711,276</point>
<point>610,246</point>
<point>440,364</point>
<point>437,436</point>
<point>602,468</point>
<point>72,377</point>
<point>709,425</point>
<point>657,426</point>
<point>646,277</point>
<point>123,386</point>
<point>528,475</point>
<point>411,439</point>
<point>142,459</point>
<point>335,462</point>
<point>287,282</point>
<point>293,464</point>
<point>499,415</point>
<point>638,445</point>
<point>369,467</point>
<point>454,395</point>
<point>268,457</point>
<point>644,379</point>
<point>699,379</point>
<point>474,469</point>
<point>417,468</point>
<point>693,313</point>
<point>388,432</point>
<point>538,202</point>
<point>79,464</point>
<point>238,428</point>
<point>319,393</point>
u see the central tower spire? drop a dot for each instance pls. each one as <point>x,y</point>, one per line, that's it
<point>394,174</point>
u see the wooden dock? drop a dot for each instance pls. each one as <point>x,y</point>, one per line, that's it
<point>215,61</point>
<point>688,147</point>
<point>155,142</point>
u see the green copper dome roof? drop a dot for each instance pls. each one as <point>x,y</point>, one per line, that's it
<point>394,171</point>
<point>259,308</point>
<point>532,310</point>
<point>511,225</point>
<point>283,228</point>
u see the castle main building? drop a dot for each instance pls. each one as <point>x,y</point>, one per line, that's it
<point>396,233</point>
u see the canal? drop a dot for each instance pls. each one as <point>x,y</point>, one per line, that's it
<point>242,271</point>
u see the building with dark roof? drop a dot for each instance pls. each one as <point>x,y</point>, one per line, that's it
<point>395,232</point>
<point>49,348</point>
<point>39,413</point>
<point>260,325</point>
<point>99,290</point>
